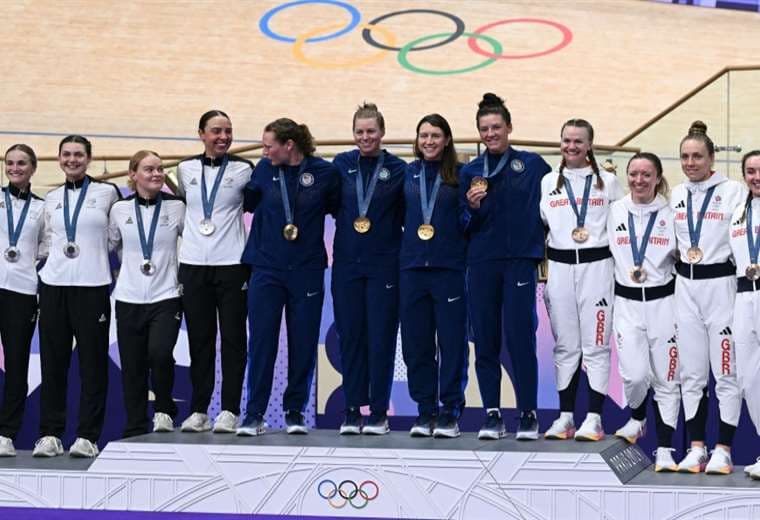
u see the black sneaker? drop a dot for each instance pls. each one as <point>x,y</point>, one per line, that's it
<point>423,426</point>
<point>352,425</point>
<point>493,427</point>
<point>252,426</point>
<point>528,429</point>
<point>377,424</point>
<point>447,425</point>
<point>294,422</point>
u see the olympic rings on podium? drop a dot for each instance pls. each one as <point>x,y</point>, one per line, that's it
<point>344,492</point>
<point>332,31</point>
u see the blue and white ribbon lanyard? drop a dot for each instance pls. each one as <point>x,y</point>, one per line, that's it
<point>290,231</point>
<point>147,267</point>
<point>71,249</point>
<point>207,226</point>
<point>753,241</point>
<point>12,253</point>
<point>362,223</point>
<point>426,231</point>
<point>694,254</point>
<point>580,234</point>
<point>638,273</point>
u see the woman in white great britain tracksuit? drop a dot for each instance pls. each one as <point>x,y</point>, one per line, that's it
<point>214,284</point>
<point>705,293</point>
<point>575,202</point>
<point>745,246</point>
<point>643,244</point>
<point>146,226</point>
<point>20,233</point>
<point>74,288</point>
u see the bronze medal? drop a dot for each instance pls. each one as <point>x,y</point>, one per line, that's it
<point>638,274</point>
<point>290,232</point>
<point>694,255</point>
<point>580,234</point>
<point>425,231</point>
<point>362,224</point>
<point>753,272</point>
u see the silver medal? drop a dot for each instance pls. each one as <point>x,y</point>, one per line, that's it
<point>12,254</point>
<point>71,250</point>
<point>206,227</point>
<point>147,268</point>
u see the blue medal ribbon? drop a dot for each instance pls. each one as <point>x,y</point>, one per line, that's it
<point>147,244</point>
<point>208,202</point>
<point>68,222</point>
<point>428,205</point>
<point>15,234</point>
<point>640,252</point>
<point>580,216</point>
<point>362,200</point>
<point>752,240</point>
<point>499,166</point>
<point>696,231</point>
<point>284,191</point>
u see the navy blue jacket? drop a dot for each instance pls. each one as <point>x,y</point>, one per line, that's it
<point>508,223</point>
<point>381,244</point>
<point>311,198</point>
<point>448,247</point>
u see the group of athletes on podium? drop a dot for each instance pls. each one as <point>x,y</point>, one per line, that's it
<point>434,244</point>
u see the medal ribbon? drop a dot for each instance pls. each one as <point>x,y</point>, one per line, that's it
<point>68,222</point>
<point>580,216</point>
<point>147,245</point>
<point>363,201</point>
<point>752,241</point>
<point>640,252</point>
<point>428,205</point>
<point>695,232</point>
<point>15,234</point>
<point>499,166</point>
<point>284,192</point>
<point>208,202</point>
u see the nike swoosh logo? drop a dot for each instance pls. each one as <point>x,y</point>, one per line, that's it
<point>275,179</point>
<point>453,299</point>
<point>416,176</point>
<point>351,171</point>
<point>522,284</point>
<point>310,294</point>
<point>389,286</point>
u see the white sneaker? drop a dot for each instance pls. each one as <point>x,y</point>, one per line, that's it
<point>6,447</point>
<point>82,448</point>
<point>720,462</point>
<point>226,422</point>
<point>197,422</point>
<point>663,460</point>
<point>755,473</point>
<point>751,467</point>
<point>591,429</point>
<point>633,430</point>
<point>48,446</point>
<point>562,428</point>
<point>694,461</point>
<point>162,422</point>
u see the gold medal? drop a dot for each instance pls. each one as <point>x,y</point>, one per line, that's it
<point>638,274</point>
<point>290,232</point>
<point>580,234</point>
<point>362,224</point>
<point>753,272</point>
<point>694,255</point>
<point>425,231</point>
<point>479,182</point>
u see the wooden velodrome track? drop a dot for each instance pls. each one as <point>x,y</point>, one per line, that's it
<point>137,74</point>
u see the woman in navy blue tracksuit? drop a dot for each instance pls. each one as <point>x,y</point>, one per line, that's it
<point>365,270</point>
<point>432,283</point>
<point>290,193</point>
<point>502,190</point>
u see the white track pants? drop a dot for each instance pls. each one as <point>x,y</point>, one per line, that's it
<point>645,338</point>
<point>579,299</point>
<point>747,344</point>
<point>704,312</point>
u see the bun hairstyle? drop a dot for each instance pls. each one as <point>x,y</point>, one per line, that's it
<point>369,111</point>
<point>581,123</point>
<point>492,104</point>
<point>747,156</point>
<point>662,186</point>
<point>698,132</point>
<point>209,115</point>
<point>25,149</point>
<point>285,129</point>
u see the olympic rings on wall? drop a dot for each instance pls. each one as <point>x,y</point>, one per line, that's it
<point>344,493</point>
<point>390,43</point>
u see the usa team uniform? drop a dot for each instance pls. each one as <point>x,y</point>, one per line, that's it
<point>365,277</point>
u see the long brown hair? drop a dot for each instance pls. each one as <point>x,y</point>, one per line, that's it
<point>747,156</point>
<point>449,159</point>
<point>581,123</point>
